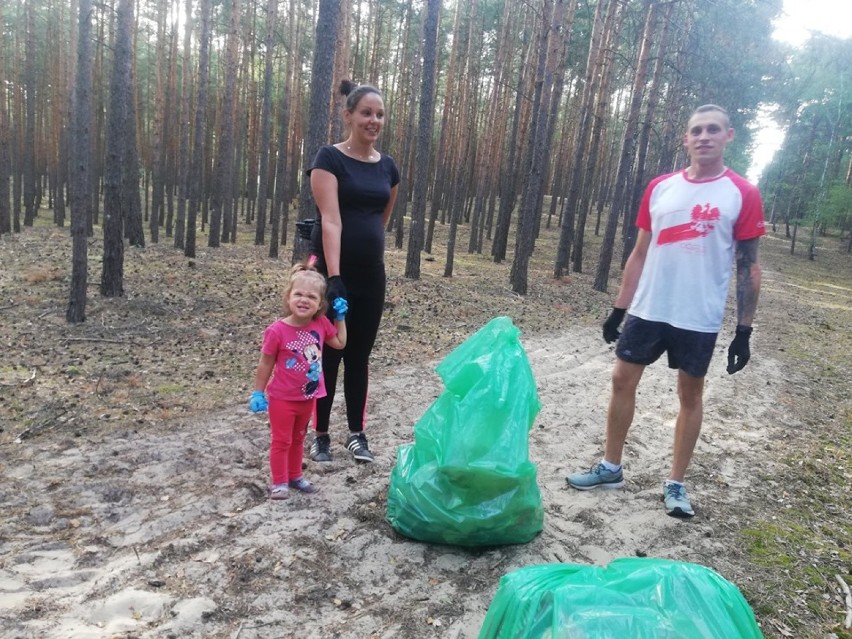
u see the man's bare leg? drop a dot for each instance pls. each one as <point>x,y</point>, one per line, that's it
<point>622,405</point>
<point>690,391</point>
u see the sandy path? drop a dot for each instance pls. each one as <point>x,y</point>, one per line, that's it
<point>166,532</point>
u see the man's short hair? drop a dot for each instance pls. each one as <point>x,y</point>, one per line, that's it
<point>705,108</point>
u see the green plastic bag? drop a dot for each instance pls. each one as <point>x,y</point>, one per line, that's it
<point>628,599</point>
<point>467,479</point>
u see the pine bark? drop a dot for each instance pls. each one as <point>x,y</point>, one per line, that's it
<point>184,127</point>
<point>116,197</point>
<point>321,84</point>
<point>80,178</point>
<point>628,149</point>
<point>222,192</point>
<point>424,139</point>
<point>196,171</point>
<point>265,123</point>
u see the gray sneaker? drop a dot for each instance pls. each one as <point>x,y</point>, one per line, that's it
<point>677,502</point>
<point>596,477</point>
<point>321,449</point>
<point>357,445</point>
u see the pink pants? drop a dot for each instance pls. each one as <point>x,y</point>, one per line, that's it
<point>288,422</point>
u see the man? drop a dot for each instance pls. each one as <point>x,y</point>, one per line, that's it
<point>675,285</point>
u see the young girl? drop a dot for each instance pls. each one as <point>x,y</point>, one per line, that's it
<point>292,347</point>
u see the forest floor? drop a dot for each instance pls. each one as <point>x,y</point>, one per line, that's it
<point>133,476</point>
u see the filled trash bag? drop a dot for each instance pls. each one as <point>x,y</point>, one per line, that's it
<point>467,479</point>
<point>628,599</point>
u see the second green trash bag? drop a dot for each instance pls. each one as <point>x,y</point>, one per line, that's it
<point>467,479</point>
<point>630,598</point>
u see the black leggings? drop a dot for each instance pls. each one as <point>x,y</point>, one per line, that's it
<point>366,297</point>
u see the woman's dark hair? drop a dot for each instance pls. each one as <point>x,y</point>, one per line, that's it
<point>354,93</point>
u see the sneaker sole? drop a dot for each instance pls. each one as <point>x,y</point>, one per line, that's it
<point>609,486</point>
<point>677,511</point>
<point>321,461</point>
<point>310,491</point>
<point>362,458</point>
<point>680,514</point>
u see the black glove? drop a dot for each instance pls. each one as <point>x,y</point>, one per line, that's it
<point>610,326</point>
<point>739,352</point>
<point>334,290</point>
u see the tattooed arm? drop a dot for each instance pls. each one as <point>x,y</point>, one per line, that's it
<point>748,281</point>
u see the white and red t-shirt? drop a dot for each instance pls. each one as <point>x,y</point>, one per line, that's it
<point>297,375</point>
<point>694,226</point>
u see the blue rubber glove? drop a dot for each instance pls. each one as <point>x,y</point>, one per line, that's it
<point>340,306</point>
<point>258,402</point>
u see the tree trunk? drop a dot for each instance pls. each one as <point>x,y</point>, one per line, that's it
<point>185,126</point>
<point>321,83</point>
<point>612,32</point>
<point>593,65</point>
<point>172,132</point>
<point>131,200</point>
<point>80,178</point>
<point>29,167</point>
<point>196,171</point>
<point>444,168</point>
<point>461,140</point>
<point>265,123</point>
<point>530,205</point>
<point>157,125</point>
<point>509,182</point>
<point>222,195</point>
<point>638,181</point>
<point>424,139</point>
<point>119,127</point>
<point>628,147</point>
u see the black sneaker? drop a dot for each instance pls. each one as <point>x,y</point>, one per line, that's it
<point>321,449</point>
<point>357,445</point>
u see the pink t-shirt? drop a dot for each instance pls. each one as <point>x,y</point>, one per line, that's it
<point>297,375</point>
<point>694,227</point>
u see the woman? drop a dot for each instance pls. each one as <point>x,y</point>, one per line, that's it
<point>354,187</point>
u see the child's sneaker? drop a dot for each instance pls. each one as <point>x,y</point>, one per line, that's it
<point>357,445</point>
<point>279,491</point>
<point>302,485</point>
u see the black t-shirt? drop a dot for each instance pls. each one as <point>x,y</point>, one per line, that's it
<point>363,191</point>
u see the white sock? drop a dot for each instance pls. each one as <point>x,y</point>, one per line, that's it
<point>669,482</point>
<point>613,468</point>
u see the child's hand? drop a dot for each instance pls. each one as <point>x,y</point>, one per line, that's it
<point>340,306</point>
<point>258,402</point>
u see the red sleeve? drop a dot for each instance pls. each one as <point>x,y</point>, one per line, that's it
<point>750,222</point>
<point>643,218</point>
<point>271,340</point>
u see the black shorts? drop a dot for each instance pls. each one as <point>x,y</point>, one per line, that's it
<point>642,342</point>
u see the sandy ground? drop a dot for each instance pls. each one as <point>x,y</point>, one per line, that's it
<point>166,532</point>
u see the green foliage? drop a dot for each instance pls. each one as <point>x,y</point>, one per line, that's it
<point>814,98</point>
<point>838,204</point>
<point>731,57</point>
